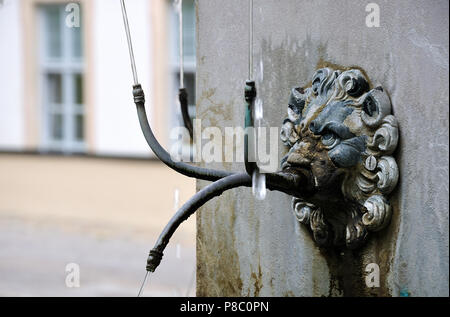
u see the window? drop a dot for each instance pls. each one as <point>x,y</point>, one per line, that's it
<point>189,58</point>
<point>61,81</point>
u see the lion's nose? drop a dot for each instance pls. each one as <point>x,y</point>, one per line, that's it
<point>296,159</point>
<point>300,155</point>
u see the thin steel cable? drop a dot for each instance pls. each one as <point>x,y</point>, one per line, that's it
<point>130,44</point>
<point>180,13</point>
<point>191,282</point>
<point>141,290</point>
<point>250,41</point>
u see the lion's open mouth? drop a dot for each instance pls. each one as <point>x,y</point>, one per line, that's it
<point>303,170</point>
<point>317,178</point>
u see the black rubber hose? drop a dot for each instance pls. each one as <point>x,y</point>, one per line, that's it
<point>161,153</point>
<point>295,183</point>
<point>285,182</point>
<point>189,208</point>
<point>289,183</point>
<point>184,107</point>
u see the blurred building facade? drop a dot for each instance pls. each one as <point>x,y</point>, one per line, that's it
<point>66,87</point>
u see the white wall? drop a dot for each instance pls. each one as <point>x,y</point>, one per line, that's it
<point>115,124</point>
<point>117,130</point>
<point>12,116</point>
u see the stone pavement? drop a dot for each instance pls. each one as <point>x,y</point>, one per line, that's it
<point>102,214</point>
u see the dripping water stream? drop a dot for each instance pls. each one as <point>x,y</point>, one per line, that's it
<point>136,82</point>
<point>144,282</point>
<point>259,189</point>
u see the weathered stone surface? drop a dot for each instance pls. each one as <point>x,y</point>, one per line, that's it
<point>247,247</point>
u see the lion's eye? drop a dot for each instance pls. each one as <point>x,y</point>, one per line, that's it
<point>330,140</point>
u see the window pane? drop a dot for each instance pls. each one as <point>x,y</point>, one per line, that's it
<point>52,29</point>
<point>79,127</point>
<point>77,43</point>
<point>54,83</point>
<point>57,126</point>
<point>78,88</point>
<point>63,94</point>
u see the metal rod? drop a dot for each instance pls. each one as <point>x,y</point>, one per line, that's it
<point>130,44</point>
<point>250,41</point>
<point>288,183</point>
<point>180,14</point>
<point>161,153</point>
<point>285,182</point>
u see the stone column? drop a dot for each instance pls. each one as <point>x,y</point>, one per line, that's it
<point>252,248</point>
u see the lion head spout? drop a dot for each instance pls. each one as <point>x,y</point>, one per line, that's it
<point>341,133</point>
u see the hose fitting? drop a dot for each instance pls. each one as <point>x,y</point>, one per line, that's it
<point>153,260</point>
<point>138,94</point>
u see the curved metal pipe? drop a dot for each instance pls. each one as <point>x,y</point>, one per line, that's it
<point>161,153</point>
<point>277,181</point>
<point>189,208</point>
<point>139,100</point>
<point>293,184</point>
<point>285,182</point>
<point>289,183</point>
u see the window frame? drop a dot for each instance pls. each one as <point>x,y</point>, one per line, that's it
<point>189,63</point>
<point>67,66</point>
